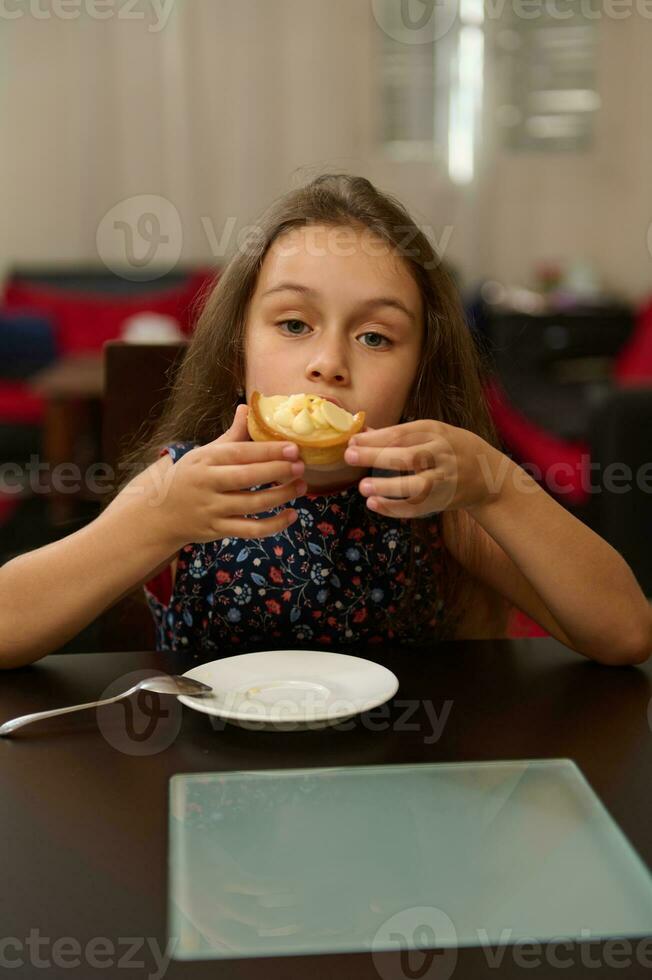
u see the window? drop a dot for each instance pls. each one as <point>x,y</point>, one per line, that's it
<point>546,77</point>
<point>430,81</point>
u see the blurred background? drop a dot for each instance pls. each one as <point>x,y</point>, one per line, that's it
<point>140,140</point>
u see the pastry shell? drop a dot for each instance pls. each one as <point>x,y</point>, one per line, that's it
<point>313,450</point>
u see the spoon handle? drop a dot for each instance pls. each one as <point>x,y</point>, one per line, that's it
<point>14,723</point>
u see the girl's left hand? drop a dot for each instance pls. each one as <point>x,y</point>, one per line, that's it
<point>446,463</point>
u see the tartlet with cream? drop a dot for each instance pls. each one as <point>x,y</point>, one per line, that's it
<point>319,428</point>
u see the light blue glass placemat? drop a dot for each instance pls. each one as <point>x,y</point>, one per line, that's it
<point>374,858</point>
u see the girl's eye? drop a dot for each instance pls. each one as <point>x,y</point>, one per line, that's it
<point>368,333</point>
<point>373,333</point>
<point>285,322</point>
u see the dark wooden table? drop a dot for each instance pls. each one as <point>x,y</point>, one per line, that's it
<point>85,817</point>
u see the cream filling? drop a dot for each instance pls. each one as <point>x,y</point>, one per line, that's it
<point>310,416</point>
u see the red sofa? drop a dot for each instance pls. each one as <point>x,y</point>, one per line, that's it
<point>83,322</point>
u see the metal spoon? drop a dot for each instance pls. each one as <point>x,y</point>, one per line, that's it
<point>163,684</point>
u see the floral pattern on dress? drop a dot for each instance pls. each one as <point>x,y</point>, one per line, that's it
<point>332,579</point>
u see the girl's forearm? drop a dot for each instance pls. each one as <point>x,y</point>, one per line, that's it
<point>585,584</point>
<point>49,595</point>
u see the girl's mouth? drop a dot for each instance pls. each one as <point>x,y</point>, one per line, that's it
<point>330,398</point>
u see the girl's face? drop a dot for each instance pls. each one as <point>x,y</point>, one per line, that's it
<point>335,312</point>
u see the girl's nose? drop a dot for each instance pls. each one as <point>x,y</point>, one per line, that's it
<point>328,378</point>
<point>327,360</point>
<point>327,364</point>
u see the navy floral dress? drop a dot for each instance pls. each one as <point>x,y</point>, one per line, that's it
<point>330,580</point>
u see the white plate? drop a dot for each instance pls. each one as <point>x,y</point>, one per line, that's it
<point>288,690</point>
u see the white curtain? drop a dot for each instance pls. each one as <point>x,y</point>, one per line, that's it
<point>218,106</point>
<point>232,102</point>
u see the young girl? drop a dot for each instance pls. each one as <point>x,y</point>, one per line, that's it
<point>426,531</point>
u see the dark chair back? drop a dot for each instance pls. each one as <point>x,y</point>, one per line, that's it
<point>557,368</point>
<point>137,381</point>
<point>539,344</point>
<point>621,437</point>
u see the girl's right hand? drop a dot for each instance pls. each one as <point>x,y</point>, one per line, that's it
<point>204,495</point>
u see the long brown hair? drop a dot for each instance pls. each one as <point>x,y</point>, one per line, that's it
<point>448,385</point>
